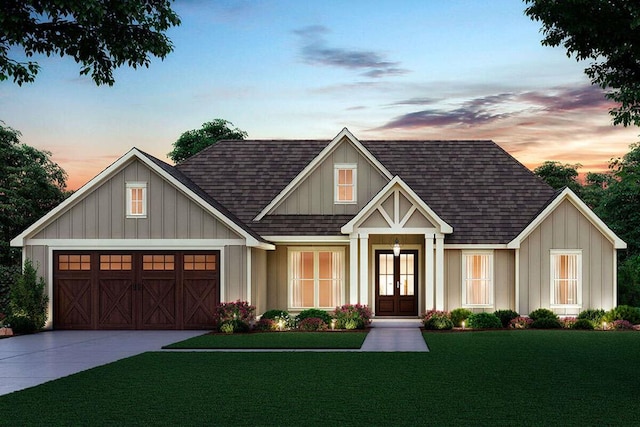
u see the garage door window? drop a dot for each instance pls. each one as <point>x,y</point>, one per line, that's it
<point>74,262</point>
<point>158,262</point>
<point>200,262</point>
<point>115,262</point>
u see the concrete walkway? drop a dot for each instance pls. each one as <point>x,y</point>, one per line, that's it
<point>29,360</point>
<point>394,335</point>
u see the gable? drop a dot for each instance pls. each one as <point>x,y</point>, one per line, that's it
<point>315,193</point>
<point>101,213</point>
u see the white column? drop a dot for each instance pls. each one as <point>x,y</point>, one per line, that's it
<point>364,269</point>
<point>353,269</point>
<point>428,268</point>
<point>517,282</point>
<point>439,267</point>
<point>249,299</point>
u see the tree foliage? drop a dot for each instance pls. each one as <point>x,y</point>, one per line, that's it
<point>28,302</point>
<point>607,32</point>
<point>559,175</point>
<point>30,186</point>
<point>193,141</point>
<point>100,35</point>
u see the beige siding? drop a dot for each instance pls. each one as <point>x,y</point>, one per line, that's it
<point>259,279</point>
<point>101,214</point>
<point>278,272</point>
<point>235,273</point>
<point>566,228</point>
<point>452,279</point>
<point>315,195</point>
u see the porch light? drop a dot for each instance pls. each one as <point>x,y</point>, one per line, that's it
<point>396,248</point>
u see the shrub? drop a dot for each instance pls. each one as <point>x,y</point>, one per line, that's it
<point>266,325</point>
<point>505,316</point>
<point>312,324</point>
<point>621,325</point>
<point>352,316</point>
<point>314,312</point>
<point>438,322</point>
<point>629,281</point>
<point>281,319</point>
<point>428,314</point>
<point>27,300</point>
<point>459,315</point>
<point>584,324</point>
<point>8,275</point>
<point>236,316</point>
<point>484,321</point>
<point>623,312</point>
<point>274,314</point>
<point>546,323</point>
<point>567,322</point>
<point>23,325</point>
<point>520,322</point>
<point>542,313</point>
<point>594,315</point>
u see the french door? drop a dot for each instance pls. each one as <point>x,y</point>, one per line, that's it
<point>396,283</point>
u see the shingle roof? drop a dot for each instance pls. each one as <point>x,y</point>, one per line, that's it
<point>480,190</point>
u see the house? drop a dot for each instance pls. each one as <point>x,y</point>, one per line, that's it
<point>402,226</point>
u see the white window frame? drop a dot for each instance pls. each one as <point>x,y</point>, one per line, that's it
<point>492,287</point>
<point>316,272</point>
<point>130,186</point>
<point>336,170</point>
<point>552,279</point>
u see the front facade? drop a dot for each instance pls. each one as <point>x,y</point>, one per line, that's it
<point>401,226</point>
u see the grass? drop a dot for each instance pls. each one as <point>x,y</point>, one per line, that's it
<point>275,340</point>
<point>478,378</point>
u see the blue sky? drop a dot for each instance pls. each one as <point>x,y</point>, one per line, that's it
<point>296,69</point>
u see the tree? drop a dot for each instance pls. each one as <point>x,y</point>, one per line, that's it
<point>558,175</point>
<point>30,186</point>
<point>100,35</point>
<point>196,140</point>
<point>607,32</point>
<point>28,302</point>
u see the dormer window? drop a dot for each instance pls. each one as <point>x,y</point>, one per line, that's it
<point>345,183</point>
<point>136,199</point>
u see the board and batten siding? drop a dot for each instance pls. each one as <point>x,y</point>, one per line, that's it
<point>170,214</point>
<point>259,279</point>
<point>503,280</point>
<point>235,274</point>
<point>315,194</point>
<point>566,228</point>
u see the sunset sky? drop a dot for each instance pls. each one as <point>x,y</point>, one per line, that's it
<point>296,69</point>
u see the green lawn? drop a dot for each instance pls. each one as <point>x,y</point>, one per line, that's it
<point>514,378</point>
<point>276,340</point>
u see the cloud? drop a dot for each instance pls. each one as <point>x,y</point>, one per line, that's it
<point>315,51</point>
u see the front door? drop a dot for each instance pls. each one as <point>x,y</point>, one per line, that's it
<point>396,283</point>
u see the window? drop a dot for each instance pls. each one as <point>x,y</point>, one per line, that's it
<point>74,262</point>
<point>566,275</point>
<point>316,277</point>
<point>345,183</point>
<point>477,279</point>
<point>115,262</point>
<point>158,262</point>
<point>136,199</point>
<point>200,262</point>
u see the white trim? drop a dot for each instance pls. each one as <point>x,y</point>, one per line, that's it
<point>364,269</point>
<point>353,269</point>
<point>344,133</point>
<point>569,195</point>
<point>353,167</point>
<point>579,286</point>
<point>439,269</point>
<point>134,244</point>
<point>111,170</point>
<point>475,246</point>
<point>429,282</point>
<point>307,239</point>
<point>129,187</point>
<point>615,279</point>
<point>492,293</point>
<point>382,195</point>
<point>374,280</point>
<point>316,266</point>
<point>517,281</point>
<point>249,275</point>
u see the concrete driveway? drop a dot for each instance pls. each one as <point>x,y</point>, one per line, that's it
<point>29,360</point>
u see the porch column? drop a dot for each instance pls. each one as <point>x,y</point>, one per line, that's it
<point>364,269</point>
<point>428,268</point>
<point>439,267</point>
<point>353,269</point>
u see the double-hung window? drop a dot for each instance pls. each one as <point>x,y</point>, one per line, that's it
<point>477,279</point>
<point>566,277</point>
<point>345,188</point>
<point>136,199</point>
<point>316,277</point>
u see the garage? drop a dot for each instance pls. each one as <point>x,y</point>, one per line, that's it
<point>135,289</point>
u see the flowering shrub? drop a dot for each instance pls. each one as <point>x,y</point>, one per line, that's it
<point>281,319</point>
<point>428,314</point>
<point>621,325</point>
<point>266,325</point>
<point>235,316</point>
<point>312,324</point>
<point>352,316</point>
<point>568,322</point>
<point>520,322</point>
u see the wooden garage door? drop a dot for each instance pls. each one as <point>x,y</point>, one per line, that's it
<point>135,290</point>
